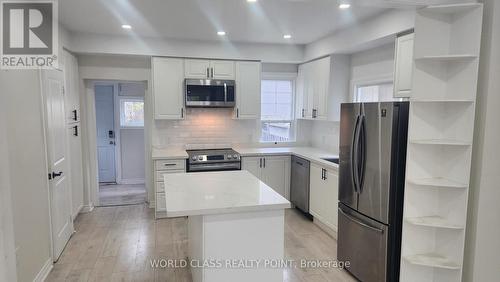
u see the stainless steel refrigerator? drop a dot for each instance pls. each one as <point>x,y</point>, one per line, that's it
<point>373,139</point>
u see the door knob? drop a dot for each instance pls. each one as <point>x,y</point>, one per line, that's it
<point>53,174</point>
<point>111,142</point>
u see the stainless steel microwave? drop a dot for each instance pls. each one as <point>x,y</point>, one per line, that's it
<point>210,93</point>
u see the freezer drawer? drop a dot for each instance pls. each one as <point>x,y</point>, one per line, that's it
<point>362,242</point>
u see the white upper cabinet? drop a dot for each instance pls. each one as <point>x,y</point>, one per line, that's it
<point>403,68</point>
<point>313,89</point>
<point>222,69</point>
<point>168,78</point>
<point>247,90</point>
<point>217,69</point>
<point>196,68</point>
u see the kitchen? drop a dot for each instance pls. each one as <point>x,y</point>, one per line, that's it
<point>292,144</point>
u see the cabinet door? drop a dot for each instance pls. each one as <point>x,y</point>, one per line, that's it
<point>253,165</point>
<point>247,90</point>
<point>315,191</point>
<point>403,69</point>
<point>322,83</point>
<point>309,87</point>
<point>300,103</point>
<point>168,96</point>
<point>276,174</point>
<point>222,69</point>
<point>330,199</point>
<point>196,68</point>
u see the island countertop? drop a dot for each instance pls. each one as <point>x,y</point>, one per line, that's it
<point>223,192</point>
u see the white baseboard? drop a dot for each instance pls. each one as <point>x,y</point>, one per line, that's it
<point>79,210</point>
<point>132,181</point>
<point>87,208</point>
<point>44,272</point>
<point>332,231</point>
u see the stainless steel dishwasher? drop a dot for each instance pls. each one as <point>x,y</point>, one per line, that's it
<point>299,186</point>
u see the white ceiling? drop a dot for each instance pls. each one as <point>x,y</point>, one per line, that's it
<point>264,21</point>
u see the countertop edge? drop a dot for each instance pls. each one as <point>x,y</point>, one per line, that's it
<point>229,210</point>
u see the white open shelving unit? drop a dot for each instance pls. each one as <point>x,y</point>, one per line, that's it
<point>441,127</point>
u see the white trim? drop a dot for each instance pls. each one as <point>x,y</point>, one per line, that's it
<point>278,75</point>
<point>117,129</point>
<point>44,272</point>
<point>368,80</point>
<point>133,181</point>
<point>87,208</point>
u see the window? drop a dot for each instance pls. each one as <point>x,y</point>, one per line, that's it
<point>374,92</point>
<point>277,110</point>
<point>131,112</point>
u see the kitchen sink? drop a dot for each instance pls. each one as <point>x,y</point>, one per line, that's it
<point>333,160</point>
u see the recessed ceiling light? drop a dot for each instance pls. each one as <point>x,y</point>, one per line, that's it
<point>252,1</point>
<point>221,33</point>
<point>287,36</point>
<point>126,26</point>
<point>345,6</point>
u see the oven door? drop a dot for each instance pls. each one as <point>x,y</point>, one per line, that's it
<point>209,93</point>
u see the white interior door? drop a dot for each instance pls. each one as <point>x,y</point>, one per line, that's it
<point>104,109</point>
<point>60,195</point>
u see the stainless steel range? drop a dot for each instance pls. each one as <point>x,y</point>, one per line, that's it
<point>213,160</point>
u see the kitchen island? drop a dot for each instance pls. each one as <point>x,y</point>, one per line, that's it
<point>235,224</point>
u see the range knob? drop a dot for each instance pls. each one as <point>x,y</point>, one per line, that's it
<point>194,158</point>
<point>229,157</point>
<point>235,156</point>
<point>200,158</point>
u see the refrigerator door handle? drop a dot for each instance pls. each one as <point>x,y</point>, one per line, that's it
<point>362,152</point>
<point>360,223</point>
<point>354,155</point>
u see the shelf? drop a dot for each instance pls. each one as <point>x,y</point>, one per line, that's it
<point>433,221</point>
<point>443,101</point>
<point>448,58</point>
<point>452,8</point>
<point>437,182</point>
<point>445,142</point>
<point>432,260</point>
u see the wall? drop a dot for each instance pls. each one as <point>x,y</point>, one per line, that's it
<point>373,63</point>
<point>132,155</point>
<point>364,35</point>
<point>205,126</point>
<point>483,227</point>
<point>7,243</point>
<point>30,205</point>
<point>127,45</point>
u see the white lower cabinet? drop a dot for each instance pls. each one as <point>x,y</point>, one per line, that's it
<point>163,167</point>
<point>272,170</point>
<point>323,195</point>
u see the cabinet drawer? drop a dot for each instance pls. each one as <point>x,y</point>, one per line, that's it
<point>160,173</point>
<point>170,164</point>
<point>161,205</point>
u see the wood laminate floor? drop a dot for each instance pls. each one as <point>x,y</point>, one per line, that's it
<point>121,194</point>
<point>117,243</point>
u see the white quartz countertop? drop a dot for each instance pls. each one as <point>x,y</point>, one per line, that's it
<point>169,153</point>
<point>310,153</point>
<point>204,193</point>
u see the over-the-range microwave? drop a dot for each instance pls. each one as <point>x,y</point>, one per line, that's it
<point>210,93</point>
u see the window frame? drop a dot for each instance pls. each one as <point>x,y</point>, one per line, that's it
<point>368,81</point>
<point>122,99</point>
<point>292,77</point>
